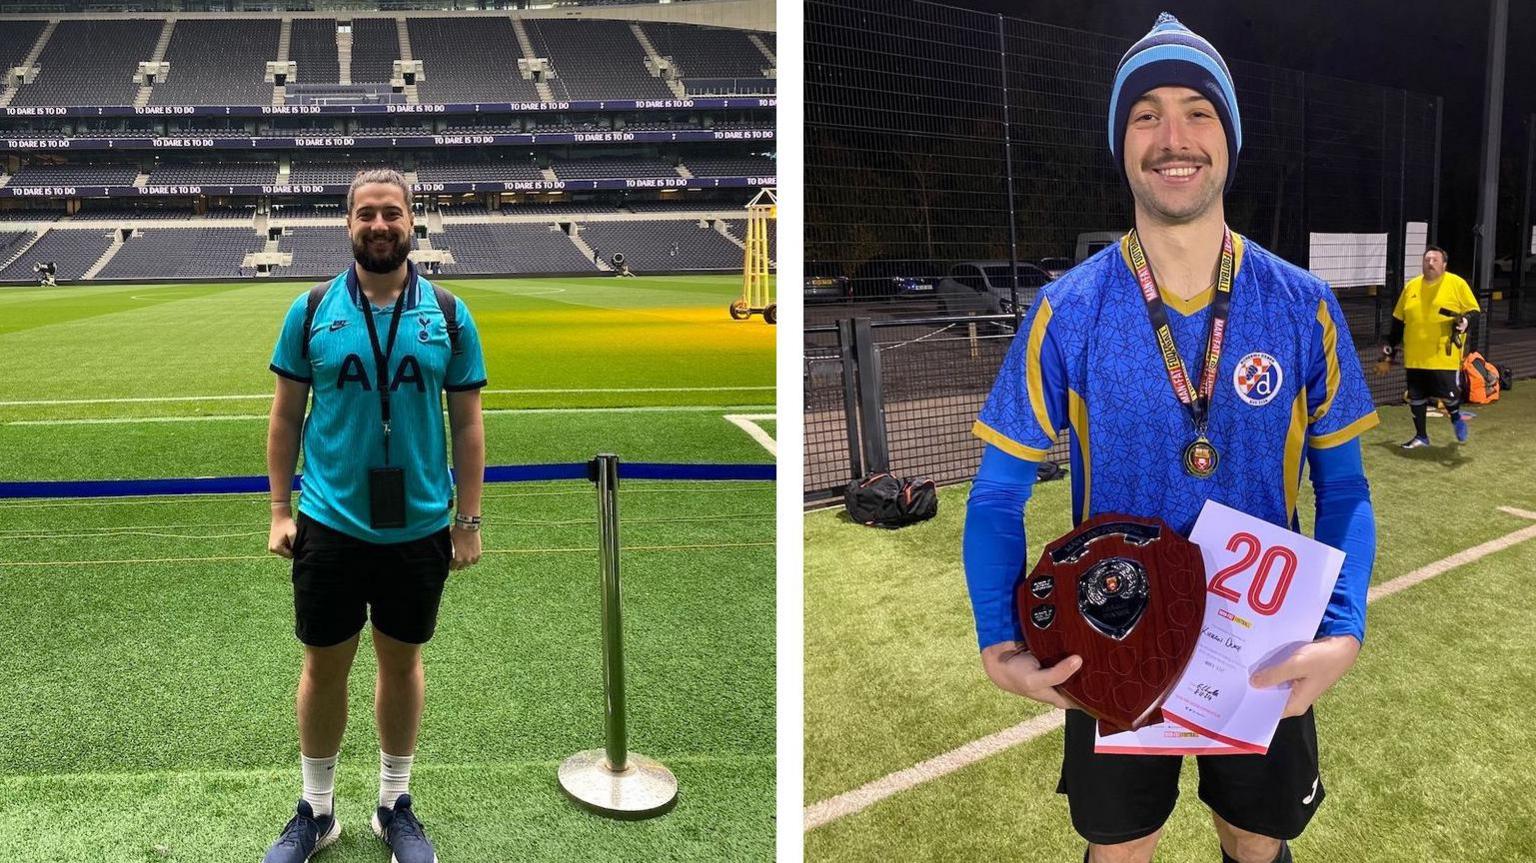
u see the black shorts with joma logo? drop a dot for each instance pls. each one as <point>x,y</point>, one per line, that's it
<point>1119,798</point>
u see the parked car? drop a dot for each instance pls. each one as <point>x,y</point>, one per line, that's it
<point>828,289</point>
<point>985,286</point>
<point>1056,267</point>
<point>889,278</point>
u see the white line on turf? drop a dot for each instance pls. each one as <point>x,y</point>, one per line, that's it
<point>870,793</point>
<point>268,396</point>
<point>748,424</point>
<point>647,409</point>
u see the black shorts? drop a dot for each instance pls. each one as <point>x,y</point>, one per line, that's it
<point>336,578</point>
<point>1118,798</point>
<point>1430,385</point>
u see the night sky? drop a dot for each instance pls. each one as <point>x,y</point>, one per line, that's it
<point>1435,47</point>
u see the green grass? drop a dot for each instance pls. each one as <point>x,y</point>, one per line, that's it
<point>1424,744</point>
<point>151,663</point>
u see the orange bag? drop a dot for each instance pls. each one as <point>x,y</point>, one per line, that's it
<point>1482,379</point>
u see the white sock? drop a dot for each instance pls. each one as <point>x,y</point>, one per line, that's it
<point>394,777</point>
<point>319,782</point>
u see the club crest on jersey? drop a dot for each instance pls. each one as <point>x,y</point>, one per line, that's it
<point>1257,378</point>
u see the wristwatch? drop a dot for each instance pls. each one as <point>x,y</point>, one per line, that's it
<point>470,523</point>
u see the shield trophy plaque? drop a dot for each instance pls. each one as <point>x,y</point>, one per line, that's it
<point>1127,594</point>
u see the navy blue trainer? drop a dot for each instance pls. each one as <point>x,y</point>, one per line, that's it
<point>304,835</point>
<point>403,833</point>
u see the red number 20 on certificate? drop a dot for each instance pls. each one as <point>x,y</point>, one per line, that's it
<point>1268,559</point>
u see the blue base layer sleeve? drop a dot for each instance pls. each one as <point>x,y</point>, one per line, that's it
<point>994,544</point>
<point>1346,521</point>
<point>258,484</point>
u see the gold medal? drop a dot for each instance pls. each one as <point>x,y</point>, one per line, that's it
<point>1200,458</point>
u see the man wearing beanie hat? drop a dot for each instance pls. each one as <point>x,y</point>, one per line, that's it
<point>1113,351</point>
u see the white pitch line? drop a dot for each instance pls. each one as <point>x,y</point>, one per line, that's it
<point>748,424</point>
<point>870,793</point>
<point>649,409</point>
<point>268,396</point>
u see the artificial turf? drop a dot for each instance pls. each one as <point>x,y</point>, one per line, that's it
<point>150,653</point>
<point>1425,745</point>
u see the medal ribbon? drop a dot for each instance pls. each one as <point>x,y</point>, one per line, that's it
<point>1197,401</point>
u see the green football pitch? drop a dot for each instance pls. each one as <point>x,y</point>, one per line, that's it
<point>149,657</point>
<point>1425,746</point>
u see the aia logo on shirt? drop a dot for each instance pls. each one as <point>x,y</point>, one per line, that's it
<point>1257,378</point>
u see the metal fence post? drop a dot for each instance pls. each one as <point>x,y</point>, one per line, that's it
<point>877,458</point>
<point>613,781</point>
<point>850,397</point>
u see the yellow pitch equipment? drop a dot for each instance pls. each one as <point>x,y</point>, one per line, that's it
<point>756,289</point>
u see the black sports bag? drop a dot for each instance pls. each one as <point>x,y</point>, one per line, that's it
<point>882,500</point>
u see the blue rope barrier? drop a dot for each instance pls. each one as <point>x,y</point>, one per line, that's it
<point>258,484</point>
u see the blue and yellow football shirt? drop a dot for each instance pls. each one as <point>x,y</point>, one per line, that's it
<point>1087,361</point>
<point>343,435</point>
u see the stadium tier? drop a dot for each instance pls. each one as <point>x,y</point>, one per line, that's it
<point>218,62</point>
<point>663,246</point>
<point>317,252</point>
<point>170,253</point>
<point>595,60</point>
<point>511,249</point>
<point>375,48</point>
<point>73,252</point>
<point>91,62</point>
<point>204,156</point>
<point>468,60</point>
<point>312,48</point>
<point>74,175</point>
<point>710,52</point>
<point>214,173</point>
<point>453,171</point>
<point>710,166</point>
<point>592,169</point>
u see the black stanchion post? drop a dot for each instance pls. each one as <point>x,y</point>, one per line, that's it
<point>613,781</point>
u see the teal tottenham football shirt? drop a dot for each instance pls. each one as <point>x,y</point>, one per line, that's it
<point>343,434</point>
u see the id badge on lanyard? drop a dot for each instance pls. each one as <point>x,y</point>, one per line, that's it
<point>386,484</point>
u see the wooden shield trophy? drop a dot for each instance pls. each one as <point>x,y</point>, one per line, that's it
<point>1127,594</point>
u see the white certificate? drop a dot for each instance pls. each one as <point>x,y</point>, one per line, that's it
<point>1161,738</point>
<point>1267,589</point>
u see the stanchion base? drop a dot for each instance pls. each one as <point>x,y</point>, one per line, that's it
<point>645,789</point>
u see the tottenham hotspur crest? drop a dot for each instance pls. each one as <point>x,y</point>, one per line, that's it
<point>1257,378</point>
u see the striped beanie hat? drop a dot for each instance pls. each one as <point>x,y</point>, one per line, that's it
<point>1172,55</point>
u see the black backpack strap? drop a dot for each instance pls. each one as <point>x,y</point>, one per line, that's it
<point>316,294</point>
<point>450,308</point>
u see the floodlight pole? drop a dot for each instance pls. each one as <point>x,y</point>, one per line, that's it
<point>613,781</point>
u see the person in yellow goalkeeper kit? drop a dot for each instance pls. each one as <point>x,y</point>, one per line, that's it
<point>1431,320</point>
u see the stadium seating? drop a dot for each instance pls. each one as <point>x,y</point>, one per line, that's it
<point>75,175</point>
<point>29,215</point>
<point>473,172</point>
<point>11,242</point>
<point>317,252</point>
<point>91,62</point>
<point>595,60</point>
<point>335,211</point>
<point>738,229</point>
<point>709,52</point>
<point>375,48</point>
<point>169,253</point>
<point>331,173</point>
<point>504,248</point>
<point>218,62</point>
<point>686,206</point>
<point>312,48</point>
<point>73,252</point>
<point>16,41</point>
<point>598,169</point>
<point>710,166</point>
<point>565,209</point>
<point>228,173</point>
<point>660,246</point>
<point>468,60</point>
<point>108,213</point>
